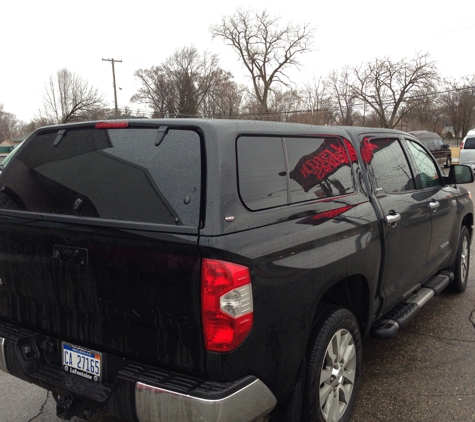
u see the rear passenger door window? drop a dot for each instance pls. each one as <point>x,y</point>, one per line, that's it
<point>388,164</point>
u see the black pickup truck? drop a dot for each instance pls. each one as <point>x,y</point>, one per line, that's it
<point>207,270</point>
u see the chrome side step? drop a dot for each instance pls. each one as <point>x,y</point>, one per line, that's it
<point>398,317</point>
<point>3,363</point>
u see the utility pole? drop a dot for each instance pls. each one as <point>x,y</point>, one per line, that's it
<point>113,77</point>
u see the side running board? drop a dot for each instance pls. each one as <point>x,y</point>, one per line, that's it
<point>398,317</point>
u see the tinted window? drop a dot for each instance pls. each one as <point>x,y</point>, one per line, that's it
<point>319,168</point>
<point>428,174</point>
<point>387,162</point>
<point>262,173</point>
<point>116,174</point>
<point>315,168</point>
<point>433,145</point>
<point>469,143</point>
<point>425,142</point>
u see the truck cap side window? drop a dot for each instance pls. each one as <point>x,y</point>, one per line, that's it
<point>319,168</point>
<point>262,173</point>
<point>275,171</point>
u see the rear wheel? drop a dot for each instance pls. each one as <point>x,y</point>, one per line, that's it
<point>462,262</point>
<point>334,367</point>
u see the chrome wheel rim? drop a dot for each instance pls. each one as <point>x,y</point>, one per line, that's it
<point>464,260</point>
<point>338,376</point>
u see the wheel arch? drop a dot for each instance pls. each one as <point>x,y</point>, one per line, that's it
<point>352,293</point>
<point>468,222</point>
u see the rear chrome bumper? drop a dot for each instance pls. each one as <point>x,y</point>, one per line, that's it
<point>174,397</point>
<point>246,405</point>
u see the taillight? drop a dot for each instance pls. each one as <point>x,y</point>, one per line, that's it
<point>113,124</point>
<point>226,304</point>
<point>461,145</point>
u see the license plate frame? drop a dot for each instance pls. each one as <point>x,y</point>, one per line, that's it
<point>82,362</point>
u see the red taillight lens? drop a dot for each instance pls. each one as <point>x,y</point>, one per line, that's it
<point>461,145</point>
<point>112,125</point>
<point>226,304</point>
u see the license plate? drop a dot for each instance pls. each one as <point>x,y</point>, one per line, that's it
<point>82,362</point>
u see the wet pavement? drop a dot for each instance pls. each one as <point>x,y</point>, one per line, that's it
<point>427,373</point>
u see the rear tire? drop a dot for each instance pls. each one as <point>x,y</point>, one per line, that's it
<point>334,360</point>
<point>462,262</point>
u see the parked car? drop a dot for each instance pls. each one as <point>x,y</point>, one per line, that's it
<point>435,144</point>
<point>7,159</point>
<point>213,270</point>
<point>467,150</point>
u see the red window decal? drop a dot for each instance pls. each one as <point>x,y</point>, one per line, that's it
<point>313,168</point>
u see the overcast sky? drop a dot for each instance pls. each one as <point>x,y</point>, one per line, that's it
<point>41,37</point>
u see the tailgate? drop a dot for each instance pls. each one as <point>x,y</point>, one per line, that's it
<point>134,294</point>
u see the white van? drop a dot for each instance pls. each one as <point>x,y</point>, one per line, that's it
<point>467,150</point>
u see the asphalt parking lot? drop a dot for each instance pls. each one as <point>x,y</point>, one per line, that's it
<point>427,373</point>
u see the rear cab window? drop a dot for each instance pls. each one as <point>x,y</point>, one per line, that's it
<point>469,143</point>
<point>117,174</point>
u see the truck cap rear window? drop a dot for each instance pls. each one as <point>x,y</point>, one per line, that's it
<point>108,173</point>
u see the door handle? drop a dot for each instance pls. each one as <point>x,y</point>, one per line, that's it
<point>392,219</point>
<point>434,205</point>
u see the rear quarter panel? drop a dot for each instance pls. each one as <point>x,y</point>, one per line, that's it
<point>293,262</point>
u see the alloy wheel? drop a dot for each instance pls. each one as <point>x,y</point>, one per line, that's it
<point>337,376</point>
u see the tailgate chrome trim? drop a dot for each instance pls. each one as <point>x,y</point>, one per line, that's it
<point>155,404</point>
<point>3,363</point>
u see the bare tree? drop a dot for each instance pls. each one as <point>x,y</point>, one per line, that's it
<point>69,98</point>
<point>266,49</point>
<point>427,115</point>
<point>458,102</point>
<point>224,98</point>
<point>10,126</point>
<point>317,100</point>
<point>391,89</point>
<point>285,105</point>
<point>344,98</point>
<point>178,87</point>
<point>37,122</point>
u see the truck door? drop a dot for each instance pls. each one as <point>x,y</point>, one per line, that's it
<point>405,221</point>
<point>442,203</point>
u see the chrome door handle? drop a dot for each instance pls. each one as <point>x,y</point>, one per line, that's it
<point>392,219</point>
<point>434,205</point>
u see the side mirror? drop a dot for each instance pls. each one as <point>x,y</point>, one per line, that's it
<point>460,174</point>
